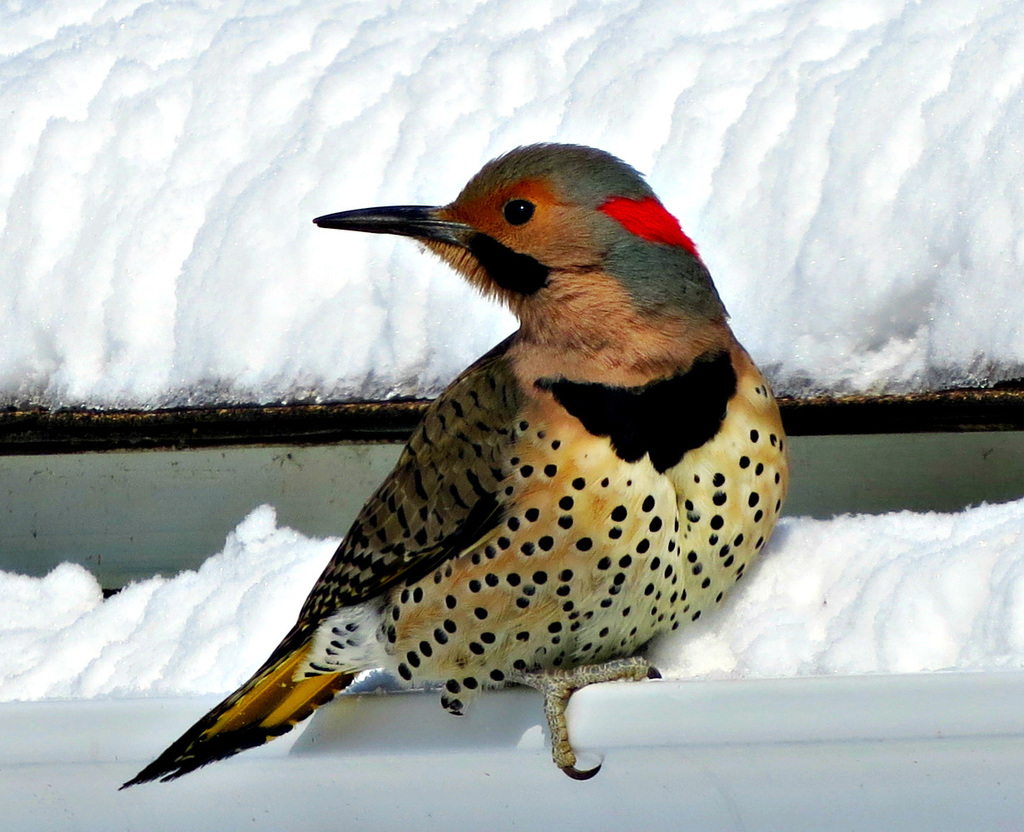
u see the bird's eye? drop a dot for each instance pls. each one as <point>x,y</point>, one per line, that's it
<point>517,211</point>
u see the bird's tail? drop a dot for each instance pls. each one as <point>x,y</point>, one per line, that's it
<point>270,704</point>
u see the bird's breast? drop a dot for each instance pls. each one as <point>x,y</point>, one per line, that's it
<point>593,554</point>
<point>556,582</point>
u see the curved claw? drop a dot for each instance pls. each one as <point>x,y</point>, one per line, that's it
<point>576,774</point>
<point>557,685</point>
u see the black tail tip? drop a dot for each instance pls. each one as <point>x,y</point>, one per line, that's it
<point>147,776</point>
<point>138,778</point>
<point>163,771</point>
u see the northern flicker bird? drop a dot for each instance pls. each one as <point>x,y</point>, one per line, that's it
<point>602,476</point>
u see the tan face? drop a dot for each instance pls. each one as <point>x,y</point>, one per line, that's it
<point>556,233</point>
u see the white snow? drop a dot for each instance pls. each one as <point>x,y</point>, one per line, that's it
<point>852,173</point>
<point>197,632</point>
<point>894,593</point>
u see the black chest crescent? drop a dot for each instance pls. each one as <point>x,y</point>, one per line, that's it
<point>663,419</point>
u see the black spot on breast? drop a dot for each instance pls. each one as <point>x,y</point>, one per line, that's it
<point>663,419</point>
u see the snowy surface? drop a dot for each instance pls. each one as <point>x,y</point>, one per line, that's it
<point>851,172</point>
<point>941,752</point>
<point>893,593</point>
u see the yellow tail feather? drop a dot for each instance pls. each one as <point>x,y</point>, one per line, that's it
<point>268,705</point>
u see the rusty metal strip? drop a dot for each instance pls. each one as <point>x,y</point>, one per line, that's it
<point>72,431</point>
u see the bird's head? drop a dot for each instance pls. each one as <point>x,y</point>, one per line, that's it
<point>559,232</point>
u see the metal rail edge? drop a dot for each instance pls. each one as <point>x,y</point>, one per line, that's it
<point>41,431</point>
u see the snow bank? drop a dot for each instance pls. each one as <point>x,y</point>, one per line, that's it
<point>892,593</point>
<point>197,632</point>
<point>857,594</point>
<point>852,174</point>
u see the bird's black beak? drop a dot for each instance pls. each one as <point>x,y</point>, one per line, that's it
<point>419,221</point>
<point>519,273</point>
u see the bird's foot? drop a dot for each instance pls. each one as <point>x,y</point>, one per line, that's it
<point>558,685</point>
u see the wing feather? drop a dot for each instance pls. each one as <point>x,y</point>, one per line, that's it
<point>442,497</point>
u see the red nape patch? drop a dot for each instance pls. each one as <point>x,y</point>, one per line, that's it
<point>648,218</point>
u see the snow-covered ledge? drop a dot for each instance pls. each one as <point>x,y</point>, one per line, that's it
<point>940,751</point>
